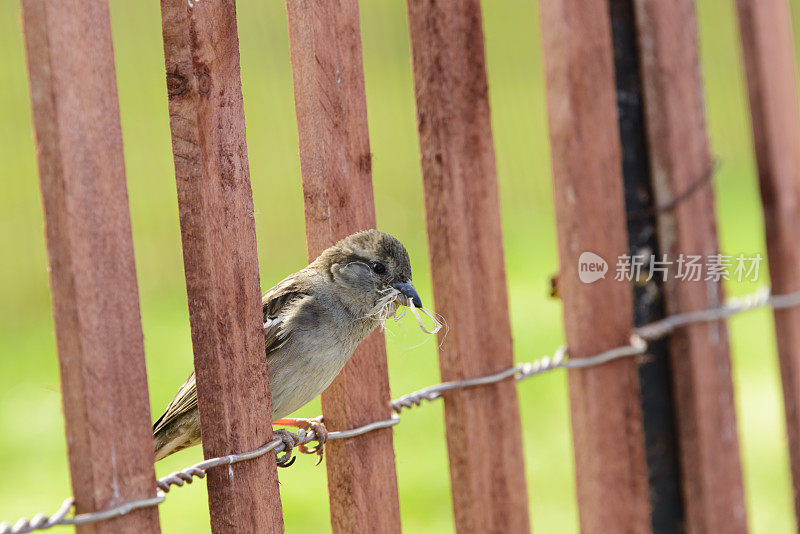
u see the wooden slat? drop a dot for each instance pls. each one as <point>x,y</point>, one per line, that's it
<point>770,64</point>
<point>325,44</point>
<point>90,247</point>
<point>219,248</point>
<point>466,252</point>
<point>703,390</point>
<point>587,173</point>
<point>655,376</point>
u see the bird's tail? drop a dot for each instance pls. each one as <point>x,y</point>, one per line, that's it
<point>175,435</point>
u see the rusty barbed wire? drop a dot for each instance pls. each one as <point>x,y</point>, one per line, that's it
<point>286,441</point>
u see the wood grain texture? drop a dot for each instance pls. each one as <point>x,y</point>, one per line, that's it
<point>219,250</point>
<point>90,248</point>
<point>766,33</point>
<point>590,215</point>
<point>466,253</point>
<point>655,376</point>
<point>335,159</point>
<point>703,390</point>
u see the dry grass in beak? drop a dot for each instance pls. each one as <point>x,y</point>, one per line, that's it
<point>389,307</point>
<point>436,324</point>
<point>386,306</point>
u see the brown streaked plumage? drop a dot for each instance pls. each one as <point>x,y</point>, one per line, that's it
<point>313,321</point>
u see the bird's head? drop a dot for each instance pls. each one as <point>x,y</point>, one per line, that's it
<point>371,271</point>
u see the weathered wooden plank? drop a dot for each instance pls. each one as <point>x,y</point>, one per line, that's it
<point>219,247</point>
<point>335,159</point>
<point>655,376</point>
<point>587,173</point>
<point>466,253</point>
<point>90,248</point>
<point>770,64</point>
<point>703,390</point>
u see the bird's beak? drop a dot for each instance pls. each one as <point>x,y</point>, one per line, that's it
<point>408,290</point>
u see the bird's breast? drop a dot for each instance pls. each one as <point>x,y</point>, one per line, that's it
<point>299,371</point>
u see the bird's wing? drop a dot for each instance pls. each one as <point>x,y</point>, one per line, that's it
<point>274,304</point>
<point>184,401</point>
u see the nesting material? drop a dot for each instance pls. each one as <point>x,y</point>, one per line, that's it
<point>389,307</point>
<point>386,306</point>
<point>436,324</point>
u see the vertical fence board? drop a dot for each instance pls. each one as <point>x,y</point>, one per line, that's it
<point>769,55</point>
<point>466,252</point>
<point>587,173</point>
<point>219,247</point>
<point>325,44</point>
<point>711,472</point>
<point>92,270</point>
<point>655,376</point>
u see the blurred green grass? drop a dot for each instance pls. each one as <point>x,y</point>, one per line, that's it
<point>32,447</point>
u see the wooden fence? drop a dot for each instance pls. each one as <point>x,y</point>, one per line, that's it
<point>626,113</point>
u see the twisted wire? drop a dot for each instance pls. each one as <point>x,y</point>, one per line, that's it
<point>286,441</point>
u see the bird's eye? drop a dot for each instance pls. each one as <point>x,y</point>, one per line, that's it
<point>378,267</point>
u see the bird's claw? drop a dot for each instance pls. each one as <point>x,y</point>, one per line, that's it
<point>320,437</point>
<point>308,425</point>
<point>287,458</point>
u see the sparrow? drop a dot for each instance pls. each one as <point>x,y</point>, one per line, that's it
<point>313,321</point>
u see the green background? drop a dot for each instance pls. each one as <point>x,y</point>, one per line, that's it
<point>33,467</point>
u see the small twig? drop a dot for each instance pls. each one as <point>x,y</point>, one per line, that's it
<point>706,179</point>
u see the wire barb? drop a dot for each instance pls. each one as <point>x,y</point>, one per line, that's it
<point>286,441</point>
